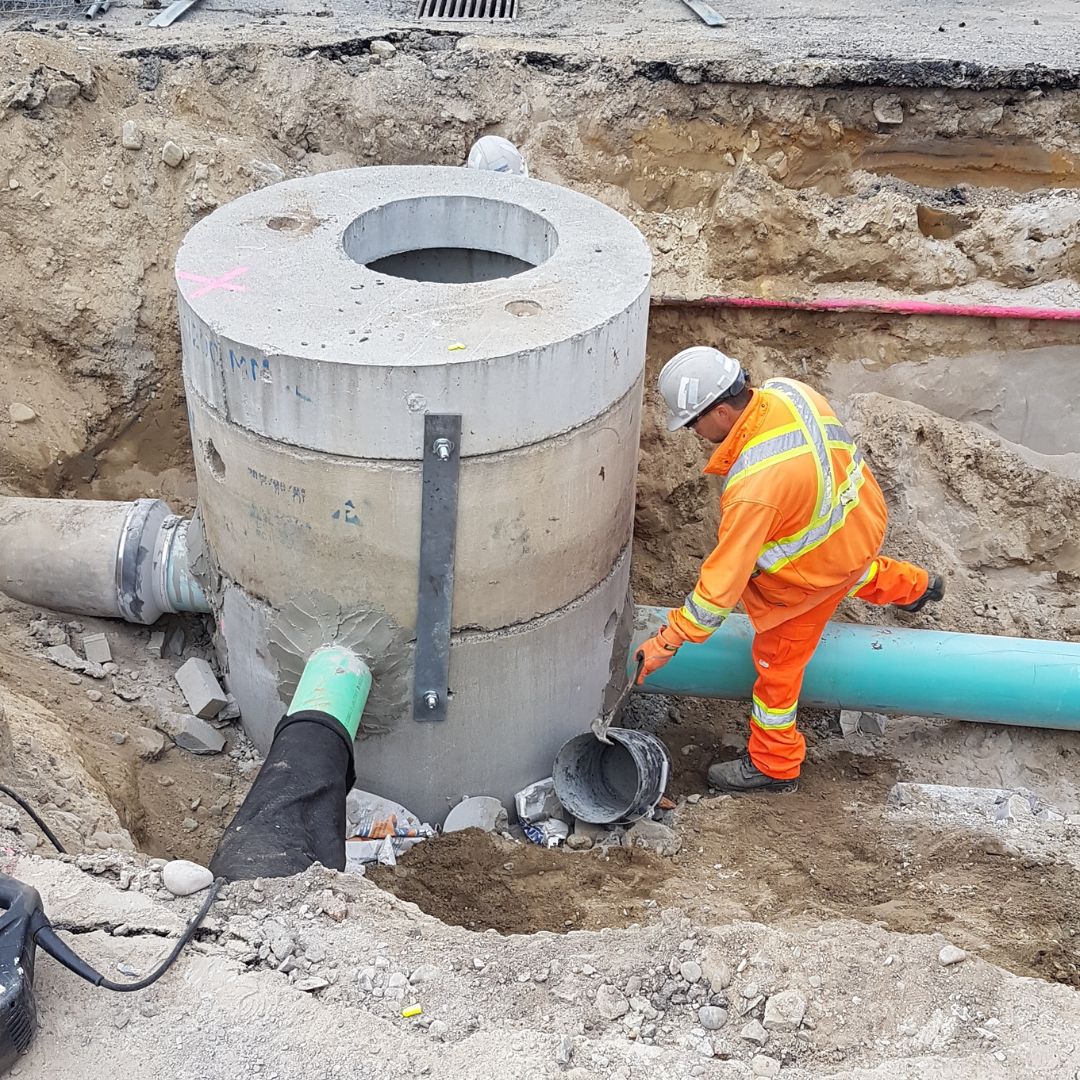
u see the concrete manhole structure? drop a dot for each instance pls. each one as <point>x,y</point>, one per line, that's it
<point>322,320</point>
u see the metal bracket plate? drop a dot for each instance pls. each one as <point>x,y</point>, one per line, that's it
<point>438,537</point>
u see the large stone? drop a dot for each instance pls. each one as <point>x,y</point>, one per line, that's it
<point>200,688</point>
<point>197,736</point>
<point>755,1033</point>
<point>784,1011</point>
<point>654,836</point>
<point>130,136</point>
<point>712,1017</point>
<point>20,413</point>
<point>951,955</point>
<point>182,878</point>
<point>611,1003</point>
<point>763,1065</point>
<point>62,93</point>
<point>888,109</point>
<point>172,154</point>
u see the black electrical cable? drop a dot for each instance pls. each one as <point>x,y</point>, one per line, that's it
<point>185,937</point>
<point>56,947</point>
<point>34,814</point>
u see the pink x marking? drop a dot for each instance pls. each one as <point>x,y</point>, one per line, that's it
<point>210,284</point>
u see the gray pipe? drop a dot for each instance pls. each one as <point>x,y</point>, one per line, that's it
<point>120,560</point>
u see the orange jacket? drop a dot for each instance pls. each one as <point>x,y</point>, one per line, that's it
<point>802,516</point>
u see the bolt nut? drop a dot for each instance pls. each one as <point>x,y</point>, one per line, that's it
<point>442,448</point>
<point>431,699</point>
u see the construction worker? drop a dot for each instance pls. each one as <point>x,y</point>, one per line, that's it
<point>803,520</point>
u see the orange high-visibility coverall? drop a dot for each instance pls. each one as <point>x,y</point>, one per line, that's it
<point>802,524</point>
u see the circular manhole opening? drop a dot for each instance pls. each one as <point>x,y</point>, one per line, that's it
<point>450,239</point>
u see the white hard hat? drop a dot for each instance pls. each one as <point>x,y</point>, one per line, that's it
<point>695,378</point>
<point>493,153</point>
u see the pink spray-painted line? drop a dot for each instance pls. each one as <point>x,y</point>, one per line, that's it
<point>888,307</point>
<point>224,282</point>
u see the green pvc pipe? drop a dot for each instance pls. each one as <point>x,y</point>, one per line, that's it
<point>996,680</point>
<point>336,681</point>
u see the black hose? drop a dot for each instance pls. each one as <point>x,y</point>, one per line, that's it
<point>50,835</point>
<point>185,937</point>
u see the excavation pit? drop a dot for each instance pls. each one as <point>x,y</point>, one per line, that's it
<point>742,189</point>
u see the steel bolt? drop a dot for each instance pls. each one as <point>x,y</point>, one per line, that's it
<point>431,699</point>
<point>443,449</point>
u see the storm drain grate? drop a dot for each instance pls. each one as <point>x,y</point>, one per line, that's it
<point>455,10</point>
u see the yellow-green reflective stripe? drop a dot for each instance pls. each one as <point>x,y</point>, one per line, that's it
<point>871,573</point>
<point>814,427</point>
<point>773,719</point>
<point>762,451</point>
<point>702,616</point>
<point>779,552</point>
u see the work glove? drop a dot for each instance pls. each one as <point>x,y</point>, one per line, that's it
<point>657,651</point>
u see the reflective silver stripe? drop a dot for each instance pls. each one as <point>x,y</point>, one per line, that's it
<point>837,432</point>
<point>772,555</point>
<point>814,424</point>
<point>766,719</point>
<point>708,620</point>
<point>753,455</point>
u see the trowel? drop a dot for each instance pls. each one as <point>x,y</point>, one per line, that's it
<point>602,722</point>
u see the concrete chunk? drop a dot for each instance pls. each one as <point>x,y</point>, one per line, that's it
<point>200,688</point>
<point>156,645</point>
<point>197,736</point>
<point>96,648</point>
<point>65,656</point>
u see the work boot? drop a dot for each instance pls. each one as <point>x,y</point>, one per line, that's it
<point>742,775</point>
<point>934,592</point>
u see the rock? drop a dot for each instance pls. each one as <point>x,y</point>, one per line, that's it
<point>333,906</point>
<point>610,1002</point>
<point>189,824</point>
<point>423,974</point>
<point>951,955</point>
<point>62,93</point>
<point>197,736</point>
<point>202,171</point>
<point>124,690</point>
<point>888,110</point>
<point>763,1065</point>
<point>96,649</point>
<point>397,979</point>
<point>438,1030</point>
<point>149,744</point>
<point>311,983</point>
<point>200,688</point>
<point>156,646</point>
<point>690,970</point>
<point>383,49</point>
<point>712,1017</point>
<point>478,812</point>
<point>182,878</point>
<point>716,971</point>
<point>266,172</point>
<point>120,737</point>
<point>172,154</point>
<point>20,413</point>
<point>65,656</point>
<point>565,1050</point>
<point>94,695</point>
<point>755,1033</point>
<point>777,164</point>
<point>1013,808</point>
<point>784,1011</point>
<point>654,837</point>
<point>130,136</point>
<point>577,842</point>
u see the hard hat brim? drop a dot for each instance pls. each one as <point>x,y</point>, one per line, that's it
<point>675,422</point>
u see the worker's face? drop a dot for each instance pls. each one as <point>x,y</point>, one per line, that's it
<point>714,425</point>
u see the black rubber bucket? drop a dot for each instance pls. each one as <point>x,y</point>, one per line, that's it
<point>611,784</point>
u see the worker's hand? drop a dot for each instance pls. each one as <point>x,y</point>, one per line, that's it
<point>657,651</point>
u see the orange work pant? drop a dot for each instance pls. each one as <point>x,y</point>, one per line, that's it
<point>781,654</point>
